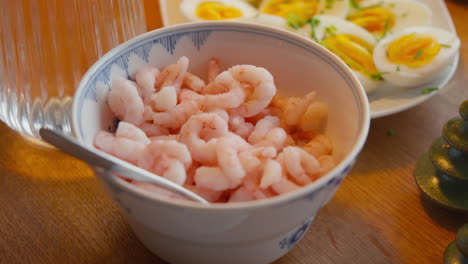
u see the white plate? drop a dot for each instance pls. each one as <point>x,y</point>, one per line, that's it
<point>388,99</point>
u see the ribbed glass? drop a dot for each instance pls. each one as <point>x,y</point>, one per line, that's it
<point>45,48</point>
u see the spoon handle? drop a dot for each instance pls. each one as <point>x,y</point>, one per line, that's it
<point>109,163</point>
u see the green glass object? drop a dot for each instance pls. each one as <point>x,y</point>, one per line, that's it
<point>462,240</point>
<point>463,110</point>
<point>455,133</point>
<point>453,256</point>
<point>457,251</point>
<point>448,160</point>
<point>440,188</point>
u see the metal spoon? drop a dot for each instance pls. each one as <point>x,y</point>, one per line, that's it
<point>106,162</point>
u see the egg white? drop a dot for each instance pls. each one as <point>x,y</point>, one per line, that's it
<point>343,27</point>
<point>408,13</point>
<point>269,20</point>
<point>402,75</point>
<point>189,7</point>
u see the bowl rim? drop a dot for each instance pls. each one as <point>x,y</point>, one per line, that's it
<point>274,201</point>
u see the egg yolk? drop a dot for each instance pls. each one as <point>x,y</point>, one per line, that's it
<point>355,52</point>
<point>414,50</point>
<point>374,19</point>
<point>303,9</point>
<point>217,11</point>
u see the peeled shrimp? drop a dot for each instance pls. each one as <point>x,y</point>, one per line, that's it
<point>242,194</point>
<point>318,146</point>
<point>272,173</point>
<point>233,96</point>
<point>212,178</point>
<point>239,126</point>
<point>314,118</point>
<point>327,163</point>
<point>213,70</point>
<point>173,75</point>
<point>125,102</point>
<point>130,131</point>
<point>193,82</point>
<point>171,169</point>
<point>120,147</point>
<point>227,150</point>
<point>262,84</point>
<point>165,99</point>
<point>175,117</point>
<point>152,130</point>
<point>145,78</point>
<point>294,107</point>
<point>169,148</point>
<point>300,165</point>
<point>277,137</point>
<point>191,134</point>
<point>262,127</point>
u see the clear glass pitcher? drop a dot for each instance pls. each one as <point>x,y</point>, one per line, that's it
<point>45,48</point>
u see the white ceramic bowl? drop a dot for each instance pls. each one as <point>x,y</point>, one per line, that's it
<point>250,232</point>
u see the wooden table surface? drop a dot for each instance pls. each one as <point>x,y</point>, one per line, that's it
<point>52,209</point>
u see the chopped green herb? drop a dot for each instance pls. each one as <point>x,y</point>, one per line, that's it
<point>418,54</point>
<point>392,5</point>
<point>329,4</point>
<point>390,132</point>
<point>354,4</point>
<point>386,28</point>
<point>398,68</point>
<point>405,14</point>
<point>313,22</point>
<point>294,21</point>
<point>445,46</point>
<point>331,30</point>
<point>377,76</point>
<point>429,90</point>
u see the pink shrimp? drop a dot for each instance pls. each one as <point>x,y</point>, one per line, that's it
<point>125,102</point>
<point>192,133</point>
<point>208,194</point>
<point>262,127</point>
<point>300,165</point>
<point>327,163</point>
<point>130,131</point>
<point>213,70</point>
<point>120,147</point>
<point>170,148</point>
<point>233,96</point>
<point>212,178</point>
<point>193,82</point>
<point>145,78</point>
<point>277,137</point>
<point>175,117</point>
<point>318,146</point>
<point>173,75</point>
<point>239,126</point>
<point>314,118</point>
<point>272,173</point>
<point>167,158</point>
<point>260,81</point>
<point>227,151</point>
<point>295,107</point>
<point>152,130</point>
<point>165,99</point>
<point>189,95</point>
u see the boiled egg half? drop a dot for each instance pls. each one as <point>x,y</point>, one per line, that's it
<point>202,10</point>
<point>353,44</point>
<point>416,55</point>
<point>389,16</point>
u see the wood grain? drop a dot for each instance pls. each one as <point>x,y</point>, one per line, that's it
<point>54,211</point>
